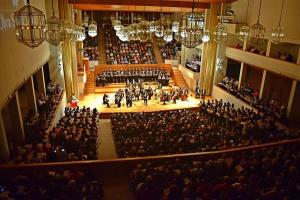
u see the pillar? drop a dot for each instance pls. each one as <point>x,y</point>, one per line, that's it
<point>12,120</point>
<point>69,52</point>
<point>262,86</point>
<point>243,74</point>
<point>291,98</point>
<point>4,150</point>
<point>209,49</point>
<point>30,95</point>
<point>268,48</point>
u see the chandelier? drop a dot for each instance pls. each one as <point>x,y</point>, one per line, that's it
<point>175,26</point>
<point>85,20</point>
<point>53,29</point>
<point>244,30</point>
<point>220,32</point>
<point>192,28</point>
<point>79,33</point>
<point>257,31</point>
<point>206,36</point>
<point>92,28</point>
<point>168,36</point>
<point>277,33</point>
<point>29,25</point>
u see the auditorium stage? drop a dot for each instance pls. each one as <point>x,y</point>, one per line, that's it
<point>95,101</point>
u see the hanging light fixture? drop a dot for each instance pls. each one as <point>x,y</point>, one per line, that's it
<point>152,24</point>
<point>168,35</point>
<point>29,25</point>
<point>192,28</point>
<point>117,24</point>
<point>206,36</point>
<point>277,33</point>
<point>79,33</point>
<point>175,26</point>
<point>92,29</point>
<point>85,20</point>
<point>257,31</point>
<point>159,28</point>
<point>244,30</point>
<point>220,32</point>
<point>53,29</point>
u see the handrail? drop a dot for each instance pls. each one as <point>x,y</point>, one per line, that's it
<point>147,158</point>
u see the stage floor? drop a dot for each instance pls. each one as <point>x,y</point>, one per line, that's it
<point>95,101</point>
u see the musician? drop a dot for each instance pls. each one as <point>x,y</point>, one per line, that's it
<point>203,91</point>
<point>145,98</point>
<point>106,100</point>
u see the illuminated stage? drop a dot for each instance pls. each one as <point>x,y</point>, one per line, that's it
<point>96,101</point>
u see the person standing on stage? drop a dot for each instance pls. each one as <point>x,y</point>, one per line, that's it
<point>106,100</point>
<point>145,98</point>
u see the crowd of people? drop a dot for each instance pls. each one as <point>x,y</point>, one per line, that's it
<point>169,50</point>
<point>215,126</point>
<point>271,173</point>
<point>46,105</point>
<point>270,106</point>
<point>132,52</point>
<point>136,76</point>
<point>73,138</point>
<point>90,48</point>
<point>47,185</point>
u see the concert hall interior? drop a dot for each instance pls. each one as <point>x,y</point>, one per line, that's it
<point>150,99</point>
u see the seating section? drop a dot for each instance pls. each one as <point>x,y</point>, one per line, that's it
<point>271,173</point>
<point>270,107</point>
<point>169,50</point>
<point>47,106</point>
<point>215,126</point>
<point>90,48</point>
<point>73,138</point>
<point>53,185</point>
<point>133,52</point>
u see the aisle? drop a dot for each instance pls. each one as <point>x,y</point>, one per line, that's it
<point>106,149</point>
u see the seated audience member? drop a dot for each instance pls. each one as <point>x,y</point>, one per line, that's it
<point>52,185</point>
<point>216,126</point>
<point>132,52</point>
<point>269,173</point>
<point>73,138</point>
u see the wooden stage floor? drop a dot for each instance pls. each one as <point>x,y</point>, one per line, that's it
<point>95,101</point>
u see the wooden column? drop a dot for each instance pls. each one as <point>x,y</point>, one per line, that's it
<point>210,49</point>
<point>262,86</point>
<point>19,118</point>
<point>243,73</point>
<point>268,48</point>
<point>69,52</point>
<point>30,94</point>
<point>291,99</point>
<point>4,150</point>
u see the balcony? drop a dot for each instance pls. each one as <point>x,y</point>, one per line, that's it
<point>281,67</point>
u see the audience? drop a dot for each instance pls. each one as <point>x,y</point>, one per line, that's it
<point>270,107</point>
<point>73,138</point>
<point>271,173</point>
<point>169,50</point>
<point>46,105</point>
<point>90,48</point>
<point>216,126</point>
<point>52,185</point>
<point>132,52</point>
